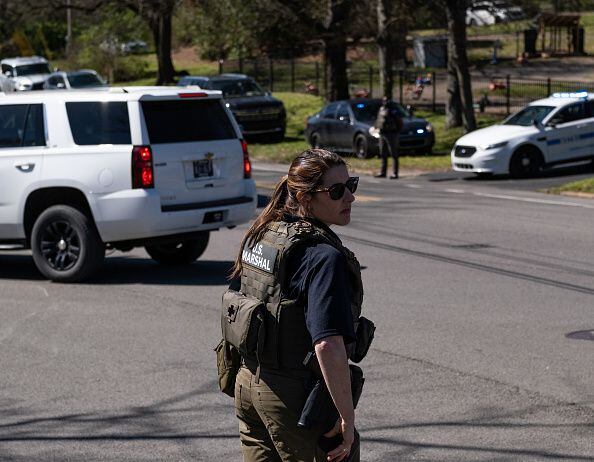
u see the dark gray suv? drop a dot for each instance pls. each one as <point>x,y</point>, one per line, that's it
<point>257,112</point>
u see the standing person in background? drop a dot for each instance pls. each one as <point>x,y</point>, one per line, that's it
<point>311,288</point>
<point>389,124</point>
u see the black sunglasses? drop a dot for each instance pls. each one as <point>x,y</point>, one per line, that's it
<point>336,191</point>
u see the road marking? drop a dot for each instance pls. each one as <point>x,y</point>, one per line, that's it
<point>520,199</point>
<point>533,200</point>
<point>413,186</point>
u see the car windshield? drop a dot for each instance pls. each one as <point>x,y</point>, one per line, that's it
<point>237,88</point>
<point>528,115</point>
<point>31,69</point>
<point>367,111</point>
<point>85,80</point>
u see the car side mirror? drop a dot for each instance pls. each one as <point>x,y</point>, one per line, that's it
<point>8,74</point>
<point>60,85</point>
<point>344,120</point>
<point>536,123</point>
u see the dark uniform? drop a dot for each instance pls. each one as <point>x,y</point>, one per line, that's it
<point>321,296</point>
<point>389,124</point>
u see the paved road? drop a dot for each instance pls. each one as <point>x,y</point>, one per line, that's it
<point>483,298</point>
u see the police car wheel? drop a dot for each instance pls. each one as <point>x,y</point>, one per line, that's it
<point>525,163</point>
<point>361,148</point>
<point>179,253</point>
<point>314,140</point>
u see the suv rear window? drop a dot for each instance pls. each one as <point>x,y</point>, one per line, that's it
<point>186,121</point>
<point>97,122</point>
<point>21,125</point>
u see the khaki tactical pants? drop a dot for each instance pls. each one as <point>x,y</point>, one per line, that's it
<point>268,412</point>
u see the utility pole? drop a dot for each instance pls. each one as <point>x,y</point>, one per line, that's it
<point>68,28</point>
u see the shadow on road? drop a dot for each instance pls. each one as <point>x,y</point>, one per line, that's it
<point>178,419</point>
<point>129,270</point>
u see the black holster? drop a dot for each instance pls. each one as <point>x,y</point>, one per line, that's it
<point>319,408</point>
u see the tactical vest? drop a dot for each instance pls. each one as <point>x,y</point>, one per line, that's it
<point>287,340</point>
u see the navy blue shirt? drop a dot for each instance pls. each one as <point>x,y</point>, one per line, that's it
<point>319,278</point>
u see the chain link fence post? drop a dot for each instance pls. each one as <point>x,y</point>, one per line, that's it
<point>433,93</point>
<point>548,86</point>
<point>370,81</point>
<point>221,66</point>
<point>318,76</point>
<point>270,75</point>
<point>507,93</point>
<point>293,75</point>
<point>400,86</point>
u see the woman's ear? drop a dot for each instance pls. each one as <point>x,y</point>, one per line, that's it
<point>304,199</point>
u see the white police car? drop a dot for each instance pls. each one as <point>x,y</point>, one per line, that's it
<point>547,132</point>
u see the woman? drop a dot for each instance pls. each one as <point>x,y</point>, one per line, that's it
<point>311,287</point>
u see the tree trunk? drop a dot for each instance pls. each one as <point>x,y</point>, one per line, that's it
<point>453,101</point>
<point>161,28</point>
<point>335,47</point>
<point>335,50</point>
<point>385,53</point>
<point>459,88</point>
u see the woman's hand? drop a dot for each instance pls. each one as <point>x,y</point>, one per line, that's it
<point>348,436</point>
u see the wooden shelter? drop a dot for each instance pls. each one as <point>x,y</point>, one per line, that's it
<point>560,33</point>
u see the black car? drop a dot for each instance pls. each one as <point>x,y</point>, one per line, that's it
<point>256,111</point>
<point>347,126</point>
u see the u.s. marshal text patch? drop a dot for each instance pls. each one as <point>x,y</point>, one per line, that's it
<point>261,256</point>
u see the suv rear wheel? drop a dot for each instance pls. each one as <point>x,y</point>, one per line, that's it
<point>66,246</point>
<point>179,253</point>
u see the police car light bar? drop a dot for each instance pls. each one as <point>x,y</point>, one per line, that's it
<point>577,94</point>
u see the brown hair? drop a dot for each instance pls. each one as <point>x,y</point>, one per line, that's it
<point>305,174</point>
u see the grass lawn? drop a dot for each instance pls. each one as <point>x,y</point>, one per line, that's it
<point>582,186</point>
<point>300,106</point>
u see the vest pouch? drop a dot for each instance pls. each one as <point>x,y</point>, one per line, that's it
<point>228,364</point>
<point>365,333</point>
<point>242,322</point>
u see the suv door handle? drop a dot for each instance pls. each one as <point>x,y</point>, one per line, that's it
<point>27,167</point>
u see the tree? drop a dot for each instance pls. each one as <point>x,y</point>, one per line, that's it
<point>158,14</point>
<point>392,20</point>
<point>459,105</point>
<point>329,21</point>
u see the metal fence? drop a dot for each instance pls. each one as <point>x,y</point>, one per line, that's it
<point>500,94</point>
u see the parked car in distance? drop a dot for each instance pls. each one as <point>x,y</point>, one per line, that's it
<point>347,126</point>
<point>488,12</point>
<point>132,47</point>
<point>23,74</point>
<point>548,132</point>
<point>85,78</point>
<point>88,171</point>
<point>257,112</point>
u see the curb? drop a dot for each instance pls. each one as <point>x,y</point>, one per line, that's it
<point>284,168</point>
<point>583,195</point>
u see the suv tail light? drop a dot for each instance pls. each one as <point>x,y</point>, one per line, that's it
<point>142,168</point>
<point>247,165</point>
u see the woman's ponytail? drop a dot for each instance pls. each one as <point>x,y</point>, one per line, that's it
<point>272,212</point>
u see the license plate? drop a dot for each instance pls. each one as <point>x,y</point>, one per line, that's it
<point>202,168</point>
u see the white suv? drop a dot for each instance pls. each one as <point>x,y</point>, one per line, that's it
<point>82,171</point>
<point>23,74</point>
